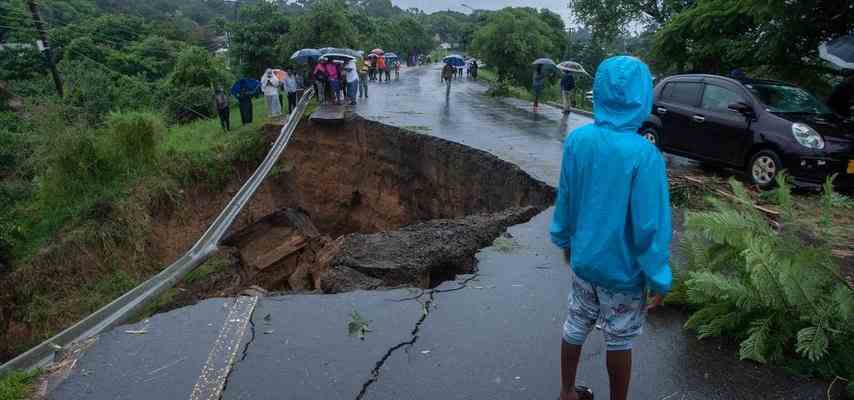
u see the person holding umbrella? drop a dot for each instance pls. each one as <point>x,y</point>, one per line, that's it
<point>381,68</point>
<point>537,85</point>
<point>244,90</point>
<point>567,88</point>
<point>270,87</point>
<point>352,76</point>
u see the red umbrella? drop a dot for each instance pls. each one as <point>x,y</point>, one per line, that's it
<point>378,52</point>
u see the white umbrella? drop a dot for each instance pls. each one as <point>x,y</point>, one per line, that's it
<point>572,66</point>
<point>839,51</point>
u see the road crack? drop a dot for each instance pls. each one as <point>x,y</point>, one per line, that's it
<point>413,335</point>
<point>375,372</point>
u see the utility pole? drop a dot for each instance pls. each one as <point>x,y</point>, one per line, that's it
<point>44,47</point>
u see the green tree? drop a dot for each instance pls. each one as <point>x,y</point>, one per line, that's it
<point>256,37</point>
<point>326,24</point>
<point>514,37</point>
<point>776,38</point>
<point>610,18</point>
<point>188,91</point>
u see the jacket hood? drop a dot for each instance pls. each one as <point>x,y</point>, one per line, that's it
<point>622,94</point>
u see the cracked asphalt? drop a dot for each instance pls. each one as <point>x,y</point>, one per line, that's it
<point>494,335</point>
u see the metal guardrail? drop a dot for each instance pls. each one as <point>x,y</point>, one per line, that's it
<point>132,302</point>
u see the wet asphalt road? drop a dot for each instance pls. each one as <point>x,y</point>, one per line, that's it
<point>496,336</point>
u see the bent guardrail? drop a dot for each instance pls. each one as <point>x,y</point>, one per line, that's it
<point>132,302</point>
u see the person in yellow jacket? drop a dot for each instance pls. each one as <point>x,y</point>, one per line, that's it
<point>364,68</point>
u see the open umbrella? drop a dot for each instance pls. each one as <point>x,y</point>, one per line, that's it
<point>391,55</point>
<point>839,51</point>
<point>372,55</point>
<point>338,56</point>
<point>248,84</point>
<point>454,60</point>
<point>544,61</point>
<point>339,50</point>
<point>572,66</point>
<point>304,55</point>
<point>378,52</point>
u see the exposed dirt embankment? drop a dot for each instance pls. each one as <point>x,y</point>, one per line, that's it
<point>328,218</point>
<point>368,177</point>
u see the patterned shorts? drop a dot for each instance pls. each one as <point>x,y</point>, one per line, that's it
<point>621,314</point>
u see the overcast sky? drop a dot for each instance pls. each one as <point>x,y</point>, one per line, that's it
<point>558,6</point>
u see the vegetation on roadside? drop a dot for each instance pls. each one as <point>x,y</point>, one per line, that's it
<point>17,385</point>
<point>551,93</point>
<point>774,285</point>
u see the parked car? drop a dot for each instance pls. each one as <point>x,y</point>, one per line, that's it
<point>759,126</point>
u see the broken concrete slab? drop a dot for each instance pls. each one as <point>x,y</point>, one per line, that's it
<point>423,255</point>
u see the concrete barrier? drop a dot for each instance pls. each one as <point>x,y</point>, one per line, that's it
<point>132,302</point>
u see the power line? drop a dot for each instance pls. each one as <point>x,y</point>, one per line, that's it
<point>130,77</point>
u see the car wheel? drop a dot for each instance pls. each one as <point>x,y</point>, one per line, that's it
<point>651,135</point>
<point>763,168</point>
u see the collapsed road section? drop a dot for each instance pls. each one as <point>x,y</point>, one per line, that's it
<point>366,205</point>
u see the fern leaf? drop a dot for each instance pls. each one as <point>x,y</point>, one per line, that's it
<point>843,299</point>
<point>812,343</point>
<point>754,346</point>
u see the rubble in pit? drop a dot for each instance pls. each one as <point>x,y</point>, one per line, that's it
<point>422,255</point>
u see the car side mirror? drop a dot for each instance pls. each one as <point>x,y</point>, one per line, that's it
<point>741,108</point>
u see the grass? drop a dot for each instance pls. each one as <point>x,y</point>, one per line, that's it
<point>17,385</point>
<point>505,244</point>
<point>417,128</point>
<point>85,244</point>
<point>551,93</point>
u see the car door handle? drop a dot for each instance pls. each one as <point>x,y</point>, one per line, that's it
<point>699,118</point>
<point>661,110</point>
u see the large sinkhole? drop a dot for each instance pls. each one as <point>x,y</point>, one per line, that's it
<point>366,205</point>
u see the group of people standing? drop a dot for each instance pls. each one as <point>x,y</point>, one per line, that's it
<point>379,66</point>
<point>335,79</point>
<point>567,87</point>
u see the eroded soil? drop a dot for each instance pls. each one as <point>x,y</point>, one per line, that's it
<point>366,206</point>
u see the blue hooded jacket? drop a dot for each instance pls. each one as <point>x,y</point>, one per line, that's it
<point>613,206</point>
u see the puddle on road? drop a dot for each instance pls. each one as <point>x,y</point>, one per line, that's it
<point>371,206</point>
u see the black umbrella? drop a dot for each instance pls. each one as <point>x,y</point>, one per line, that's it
<point>839,51</point>
<point>544,61</point>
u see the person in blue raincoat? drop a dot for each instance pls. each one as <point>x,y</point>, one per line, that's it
<point>612,218</point>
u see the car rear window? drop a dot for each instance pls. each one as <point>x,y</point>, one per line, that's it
<point>681,92</point>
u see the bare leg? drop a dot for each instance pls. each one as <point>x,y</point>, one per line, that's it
<point>619,373</point>
<point>570,354</point>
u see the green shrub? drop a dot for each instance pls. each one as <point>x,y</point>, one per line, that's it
<point>16,385</point>
<point>74,164</point>
<point>774,287</point>
<point>135,137</point>
<point>186,104</point>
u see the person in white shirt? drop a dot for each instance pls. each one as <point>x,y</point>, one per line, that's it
<point>352,81</point>
<point>270,87</point>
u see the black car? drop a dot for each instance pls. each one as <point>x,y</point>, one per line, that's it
<point>759,126</point>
